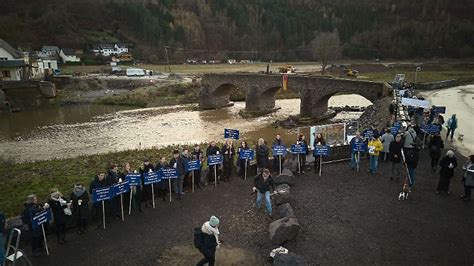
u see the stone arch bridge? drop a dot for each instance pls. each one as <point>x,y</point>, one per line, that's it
<point>260,91</point>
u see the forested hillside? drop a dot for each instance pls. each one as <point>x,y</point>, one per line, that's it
<point>252,29</point>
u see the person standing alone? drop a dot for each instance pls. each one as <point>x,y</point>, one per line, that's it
<point>209,241</point>
<point>452,124</point>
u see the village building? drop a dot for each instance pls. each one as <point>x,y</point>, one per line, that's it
<point>69,55</point>
<point>12,63</point>
<point>49,51</point>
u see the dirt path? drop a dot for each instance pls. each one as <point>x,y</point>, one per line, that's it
<point>346,217</point>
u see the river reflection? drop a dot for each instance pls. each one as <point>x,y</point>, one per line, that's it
<point>80,130</point>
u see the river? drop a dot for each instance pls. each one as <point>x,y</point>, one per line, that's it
<point>66,132</point>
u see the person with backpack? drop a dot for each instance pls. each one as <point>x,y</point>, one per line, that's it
<point>448,163</point>
<point>374,147</point>
<point>452,124</point>
<point>395,152</point>
<point>410,138</point>
<point>468,178</point>
<point>436,145</point>
<point>80,206</point>
<point>208,241</point>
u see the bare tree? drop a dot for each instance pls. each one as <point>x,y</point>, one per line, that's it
<point>326,47</point>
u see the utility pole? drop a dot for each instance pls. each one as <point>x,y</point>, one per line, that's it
<point>167,60</point>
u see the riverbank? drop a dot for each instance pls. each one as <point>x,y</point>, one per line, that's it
<point>460,101</point>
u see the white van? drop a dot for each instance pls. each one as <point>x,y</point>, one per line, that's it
<point>135,72</point>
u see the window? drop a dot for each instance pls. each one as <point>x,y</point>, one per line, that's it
<point>3,58</point>
<point>6,74</point>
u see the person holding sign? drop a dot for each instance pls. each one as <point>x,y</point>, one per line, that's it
<point>302,157</point>
<point>374,147</point>
<point>60,208</point>
<point>278,160</point>
<point>212,150</point>
<point>80,206</point>
<point>242,163</point>
<point>162,185</point>
<point>197,154</point>
<point>262,155</point>
<point>146,189</point>
<point>318,141</point>
<point>31,209</point>
<point>179,164</point>
<point>98,182</point>
<point>111,179</point>
<point>355,155</point>
<point>228,152</point>
<point>134,198</point>
<point>263,183</point>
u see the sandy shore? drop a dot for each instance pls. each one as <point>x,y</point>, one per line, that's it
<point>459,101</point>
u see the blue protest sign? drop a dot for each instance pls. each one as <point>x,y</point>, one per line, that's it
<point>215,159</point>
<point>231,133</point>
<point>246,154</point>
<point>298,148</point>
<point>101,194</point>
<point>121,188</point>
<point>193,165</point>
<point>358,147</point>
<point>397,124</point>
<point>168,173</point>
<point>40,218</point>
<point>151,178</point>
<point>394,130</point>
<point>134,179</point>
<point>439,109</point>
<point>279,150</point>
<point>321,150</point>
<point>368,134</point>
<point>431,129</point>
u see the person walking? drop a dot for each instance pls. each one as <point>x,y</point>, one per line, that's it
<point>80,206</point>
<point>410,138</point>
<point>395,152</point>
<point>209,241</point>
<point>386,139</point>
<point>242,163</point>
<point>178,163</point>
<point>228,152</point>
<point>447,163</point>
<point>374,147</point>
<point>263,183</point>
<point>411,162</point>
<point>262,152</point>
<point>302,156</point>
<point>276,158</point>
<point>468,178</point>
<point>197,154</point>
<point>357,140</point>
<point>452,124</point>
<point>436,145</point>
<point>318,141</point>
<point>60,208</point>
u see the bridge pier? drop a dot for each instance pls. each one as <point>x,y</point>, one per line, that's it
<point>209,100</point>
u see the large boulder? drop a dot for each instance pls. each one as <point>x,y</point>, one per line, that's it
<point>287,172</point>
<point>285,210</point>
<point>284,179</point>
<point>287,259</point>
<point>282,194</point>
<point>291,164</point>
<point>283,230</point>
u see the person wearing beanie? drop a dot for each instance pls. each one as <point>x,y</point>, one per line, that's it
<point>59,208</point>
<point>80,204</point>
<point>209,241</point>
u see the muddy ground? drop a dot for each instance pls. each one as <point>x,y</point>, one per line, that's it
<point>347,218</point>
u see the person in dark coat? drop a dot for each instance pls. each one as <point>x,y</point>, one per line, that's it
<point>448,163</point>
<point>263,183</point>
<point>136,190</point>
<point>436,145</point>
<point>178,163</point>
<point>262,153</point>
<point>187,182</point>
<point>198,155</point>
<point>228,151</point>
<point>146,189</point>
<point>209,241</point>
<point>162,186</point>
<point>395,153</point>
<point>213,150</point>
<point>318,141</point>
<point>468,178</point>
<point>98,182</point>
<point>276,158</point>
<point>302,157</point>
<point>80,207</point>
<point>242,162</point>
<point>58,207</point>
<point>113,177</point>
<point>32,207</point>
<point>411,161</point>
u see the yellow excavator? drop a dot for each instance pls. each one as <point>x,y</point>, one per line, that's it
<point>287,69</point>
<point>350,73</point>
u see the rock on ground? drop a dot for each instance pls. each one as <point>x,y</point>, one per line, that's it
<point>376,114</point>
<point>283,230</point>
<point>284,179</point>
<point>283,194</point>
<point>285,210</point>
<point>290,258</point>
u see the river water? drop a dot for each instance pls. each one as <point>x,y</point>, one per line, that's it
<point>66,132</point>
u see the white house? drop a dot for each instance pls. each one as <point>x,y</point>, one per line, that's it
<point>121,48</point>
<point>69,55</point>
<point>49,51</point>
<point>107,49</point>
<point>12,64</point>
